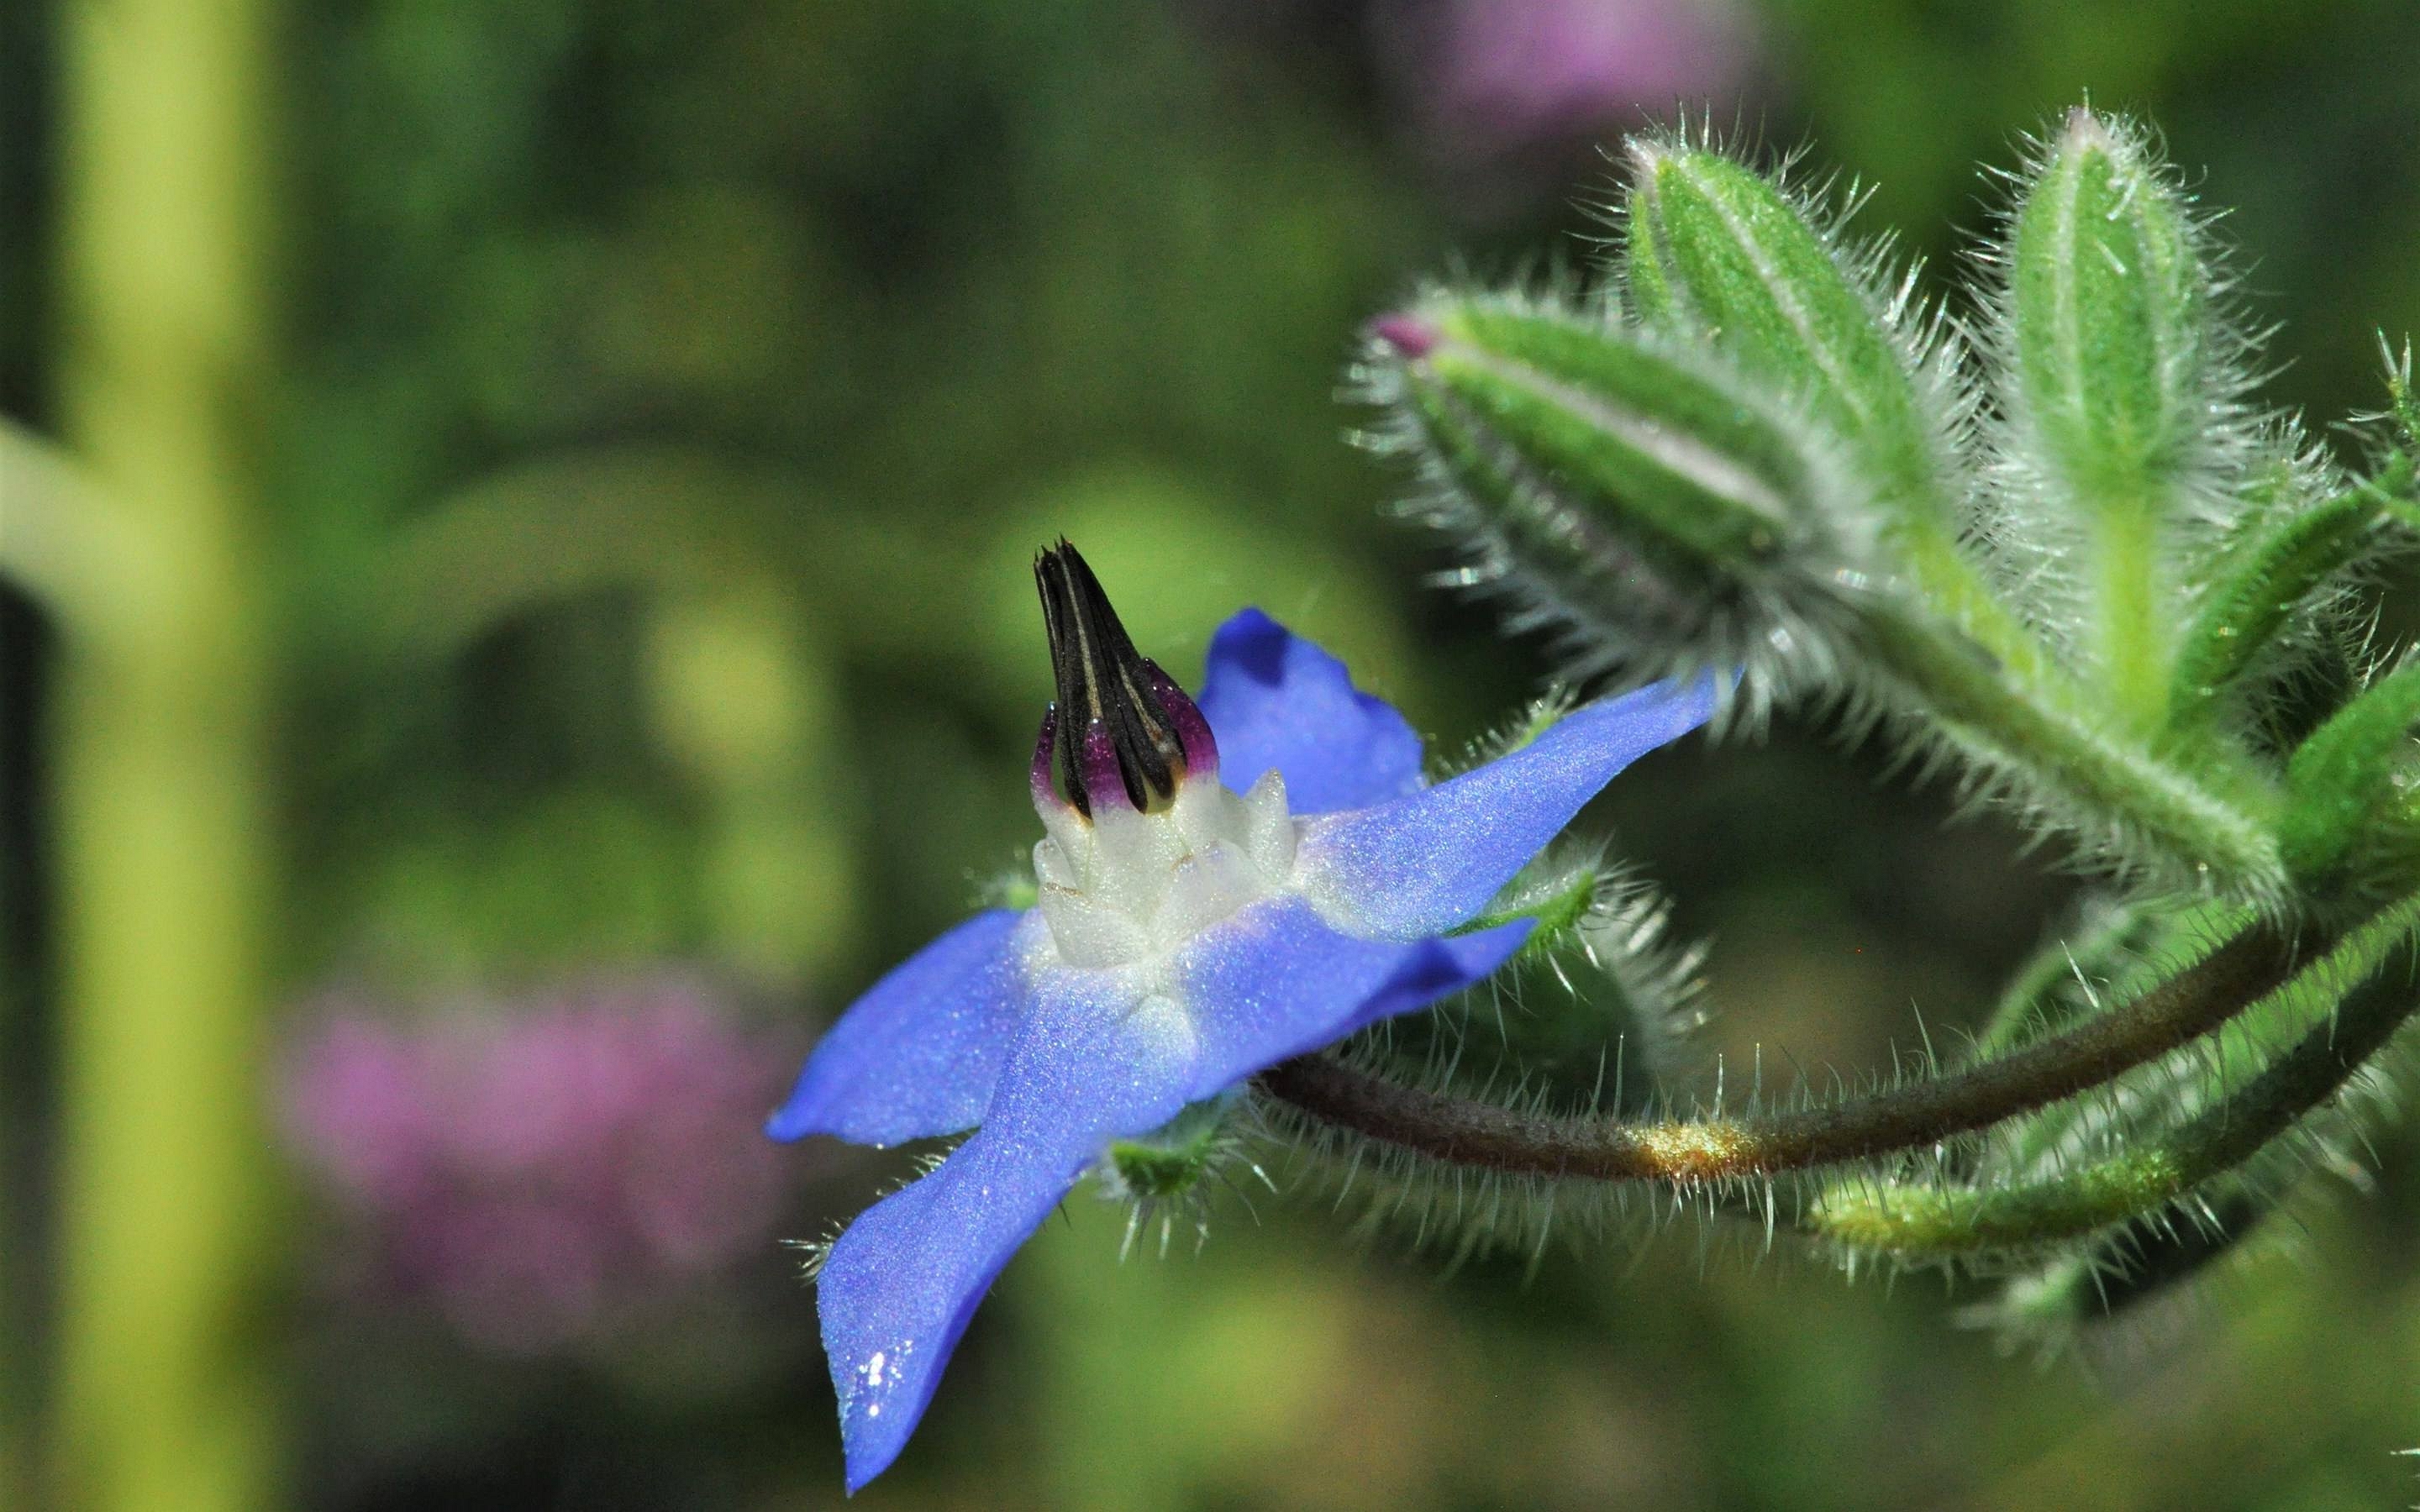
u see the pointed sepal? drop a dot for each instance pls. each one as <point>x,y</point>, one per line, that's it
<point>2341,816</point>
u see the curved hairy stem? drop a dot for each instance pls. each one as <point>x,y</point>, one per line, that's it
<point>2192,1003</point>
<point>1944,1222</point>
<point>2203,832</point>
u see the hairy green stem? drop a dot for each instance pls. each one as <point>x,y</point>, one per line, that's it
<point>2205,833</point>
<point>2197,1001</point>
<point>2100,943</point>
<point>165,1190</point>
<point>1944,1222</point>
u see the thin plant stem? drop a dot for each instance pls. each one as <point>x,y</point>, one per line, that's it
<point>2196,1001</point>
<point>1917,1220</point>
<point>2205,832</point>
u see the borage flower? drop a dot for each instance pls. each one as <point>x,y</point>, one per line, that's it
<point>1190,932</point>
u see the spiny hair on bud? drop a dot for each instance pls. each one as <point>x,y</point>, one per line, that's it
<point>1607,607</point>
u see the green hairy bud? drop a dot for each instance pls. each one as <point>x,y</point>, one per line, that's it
<point>1643,490</point>
<point>2116,388</point>
<point>2107,309</point>
<point>1715,249</point>
<point>1716,252</point>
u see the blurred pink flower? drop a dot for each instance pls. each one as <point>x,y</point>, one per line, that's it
<point>539,1169</point>
<point>1491,78</point>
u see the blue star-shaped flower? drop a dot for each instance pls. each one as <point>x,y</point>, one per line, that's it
<point>1190,932</point>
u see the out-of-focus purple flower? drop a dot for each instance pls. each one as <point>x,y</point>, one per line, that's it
<point>1487,80</point>
<point>540,1170</point>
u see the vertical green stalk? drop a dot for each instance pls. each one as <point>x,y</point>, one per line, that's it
<point>164,1397</point>
<point>2132,598</point>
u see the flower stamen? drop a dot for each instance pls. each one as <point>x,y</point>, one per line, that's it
<point>1120,727</point>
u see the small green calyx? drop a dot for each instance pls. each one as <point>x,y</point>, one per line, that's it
<point>1164,1174</point>
<point>1157,1172</point>
<point>1555,898</point>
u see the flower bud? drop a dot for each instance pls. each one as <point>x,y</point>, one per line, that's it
<point>1719,251</point>
<point>2122,426</point>
<point>2108,324</point>
<point>1644,494</point>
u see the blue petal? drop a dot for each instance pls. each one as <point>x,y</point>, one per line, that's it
<point>902,1282</point>
<point>918,1054</point>
<point>1103,1054</point>
<point>1276,702</point>
<point>1425,863</point>
<point>1278,980</point>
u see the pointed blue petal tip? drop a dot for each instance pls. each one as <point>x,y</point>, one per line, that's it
<point>1279,703</point>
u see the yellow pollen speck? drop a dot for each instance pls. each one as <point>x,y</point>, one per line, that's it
<point>1683,1151</point>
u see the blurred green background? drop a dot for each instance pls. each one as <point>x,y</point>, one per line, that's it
<point>516,520</point>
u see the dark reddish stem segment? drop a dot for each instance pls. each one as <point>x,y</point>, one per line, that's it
<point>2193,1003</point>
